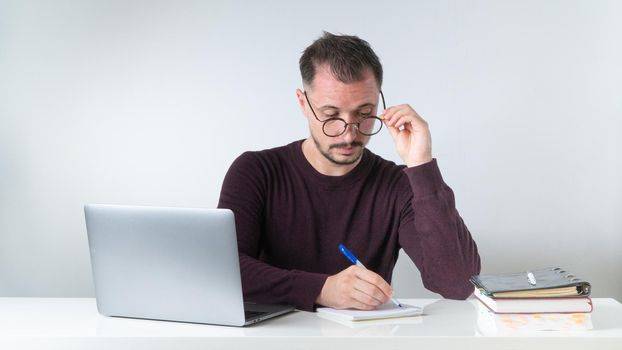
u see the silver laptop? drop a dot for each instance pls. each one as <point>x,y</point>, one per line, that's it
<point>174,264</point>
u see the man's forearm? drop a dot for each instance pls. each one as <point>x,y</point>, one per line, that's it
<point>264,283</point>
<point>437,239</point>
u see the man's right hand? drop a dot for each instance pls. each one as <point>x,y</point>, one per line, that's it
<point>355,287</point>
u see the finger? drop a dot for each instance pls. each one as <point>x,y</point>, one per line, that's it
<point>395,116</point>
<point>355,304</point>
<point>371,290</point>
<point>389,112</point>
<point>364,301</point>
<point>387,121</point>
<point>412,118</point>
<point>374,279</point>
<point>402,106</point>
<point>393,131</point>
<point>404,116</point>
<point>397,112</point>
<point>404,120</point>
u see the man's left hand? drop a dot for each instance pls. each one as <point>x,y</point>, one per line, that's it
<point>410,133</point>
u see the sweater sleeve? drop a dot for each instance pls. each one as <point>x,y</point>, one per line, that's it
<point>244,192</point>
<point>434,235</point>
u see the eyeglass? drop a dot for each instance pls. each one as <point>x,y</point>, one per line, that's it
<point>335,126</point>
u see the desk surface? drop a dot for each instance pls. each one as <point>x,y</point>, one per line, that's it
<point>62,322</point>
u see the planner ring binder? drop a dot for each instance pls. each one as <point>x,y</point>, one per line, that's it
<point>552,282</point>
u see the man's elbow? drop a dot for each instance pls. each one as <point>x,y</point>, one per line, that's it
<point>459,293</point>
<point>455,284</point>
<point>462,287</point>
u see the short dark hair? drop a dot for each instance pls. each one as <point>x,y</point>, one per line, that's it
<point>347,56</point>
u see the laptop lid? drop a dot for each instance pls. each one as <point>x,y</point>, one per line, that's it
<point>176,264</point>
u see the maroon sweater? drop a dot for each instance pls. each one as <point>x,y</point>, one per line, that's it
<point>290,220</point>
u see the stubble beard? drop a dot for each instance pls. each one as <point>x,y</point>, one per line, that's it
<point>330,158</point>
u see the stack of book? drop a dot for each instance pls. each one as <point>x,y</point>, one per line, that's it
<point>549,290</point>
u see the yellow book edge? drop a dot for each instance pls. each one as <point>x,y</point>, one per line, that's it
<point>539,293</point>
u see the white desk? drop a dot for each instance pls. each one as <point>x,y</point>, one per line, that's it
<point>71,323</point>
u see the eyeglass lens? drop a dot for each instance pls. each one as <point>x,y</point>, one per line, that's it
<point>366,126</point>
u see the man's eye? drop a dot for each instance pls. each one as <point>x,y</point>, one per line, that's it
<point>332,115</point>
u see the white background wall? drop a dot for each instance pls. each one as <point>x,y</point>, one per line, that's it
<point>148,102</point>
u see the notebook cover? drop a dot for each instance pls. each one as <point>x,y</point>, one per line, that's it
<point>546,278</point>
<point>536,311</point>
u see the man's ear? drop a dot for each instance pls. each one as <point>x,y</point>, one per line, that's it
<point>302,102</point>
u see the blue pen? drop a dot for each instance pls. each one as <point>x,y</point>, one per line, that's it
<point>357,262</point>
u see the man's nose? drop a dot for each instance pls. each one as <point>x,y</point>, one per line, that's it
<point>350,134</point>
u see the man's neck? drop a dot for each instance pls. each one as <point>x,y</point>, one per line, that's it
<point>323,165</point>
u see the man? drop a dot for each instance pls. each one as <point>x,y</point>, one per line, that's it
<point>295,204</point>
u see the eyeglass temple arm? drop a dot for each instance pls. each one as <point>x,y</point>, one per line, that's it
<point>384,105</point>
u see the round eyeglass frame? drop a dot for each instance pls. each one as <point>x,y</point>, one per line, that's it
<point>356,125</point>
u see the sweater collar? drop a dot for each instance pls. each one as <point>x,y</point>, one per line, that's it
<point>358,173</point>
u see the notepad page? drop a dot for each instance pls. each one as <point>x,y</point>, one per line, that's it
<point>388,310</point>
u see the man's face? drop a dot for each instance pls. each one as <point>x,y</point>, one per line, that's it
<point>331,98</point>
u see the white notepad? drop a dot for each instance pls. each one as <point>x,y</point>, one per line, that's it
<point>388,310</point>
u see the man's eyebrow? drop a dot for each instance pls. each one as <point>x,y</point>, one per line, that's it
<point>368,104</point>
